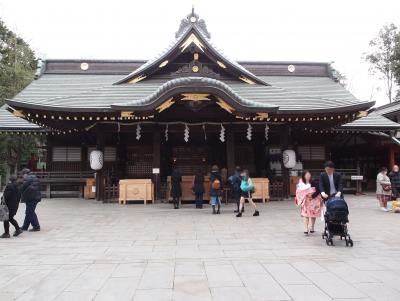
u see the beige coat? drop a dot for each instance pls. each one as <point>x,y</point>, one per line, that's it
<point>382,179</point>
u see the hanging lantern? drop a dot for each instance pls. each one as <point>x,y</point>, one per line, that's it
<point>96,160</point>
<point>289,158</point>
<point>249,132</point>
<point>222,134</point>
<point>186,133</point>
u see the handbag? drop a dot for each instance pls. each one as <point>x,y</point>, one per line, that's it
<point>4,212</point>
<point>386,187</point>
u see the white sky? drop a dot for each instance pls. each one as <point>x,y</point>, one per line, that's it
<point>307,30</point>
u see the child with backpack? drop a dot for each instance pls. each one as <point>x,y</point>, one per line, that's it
<point>215,189</point>
<point>247,189</point>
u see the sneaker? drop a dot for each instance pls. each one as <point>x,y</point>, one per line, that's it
<point>34,230</point>
<point>384,209</point>
<point>5,235</point>
<point>17,232</point>
<point>239,214</point>
<point>256,213</point>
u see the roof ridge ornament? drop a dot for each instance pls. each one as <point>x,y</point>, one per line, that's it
<point>192,19</point>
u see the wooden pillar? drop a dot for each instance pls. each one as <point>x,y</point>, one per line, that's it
<point>392,160</point>
<point>230,150</point>
<point>156,161</point>
<point>284,141</point>
<point>100,174</point>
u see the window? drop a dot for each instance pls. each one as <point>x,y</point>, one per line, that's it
<point>312,153</point>
<point>66,154</point>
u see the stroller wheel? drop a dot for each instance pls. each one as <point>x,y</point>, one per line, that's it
<point>349,243</point>
<point>329,241</point>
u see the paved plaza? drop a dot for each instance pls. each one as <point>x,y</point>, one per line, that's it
<point>93,251</point>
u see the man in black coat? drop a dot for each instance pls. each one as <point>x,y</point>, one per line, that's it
<point>235,181</point>
<point>11,198</point>
<point>330,182</point>
<point>31,196</point>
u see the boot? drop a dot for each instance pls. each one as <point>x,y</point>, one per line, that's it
<point>237,209</point>
<point>239,214</point>
<point>213,207</point>
<point>5,235</point>
<point>256,213</point>
<point>218,211</point>
<point>17,232</point>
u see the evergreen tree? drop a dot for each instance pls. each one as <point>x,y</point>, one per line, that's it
<point>17,70</point>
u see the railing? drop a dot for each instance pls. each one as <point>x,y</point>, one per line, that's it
<point>54,175</point>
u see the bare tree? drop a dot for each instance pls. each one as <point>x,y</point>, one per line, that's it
<point>382,57</point>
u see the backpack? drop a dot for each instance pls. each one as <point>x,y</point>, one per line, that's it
<point>216,184</point>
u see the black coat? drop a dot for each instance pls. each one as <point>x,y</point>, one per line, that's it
<point>30,190</point>
<point>324,185</point>
<point>198,186</point>
<point>176,179</point>
<point>236,180</point>
<point>11,197</point>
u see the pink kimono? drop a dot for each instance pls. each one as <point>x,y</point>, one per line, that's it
<point>310,207</point>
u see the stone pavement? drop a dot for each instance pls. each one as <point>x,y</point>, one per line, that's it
<point>93,251</point>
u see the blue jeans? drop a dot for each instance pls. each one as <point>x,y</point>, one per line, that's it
<point>199,200</point>
<point>30,216</point>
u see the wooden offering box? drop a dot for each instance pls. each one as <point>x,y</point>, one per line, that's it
<point>136,190</point>
<point>261,186</point>
<point>89,192</point>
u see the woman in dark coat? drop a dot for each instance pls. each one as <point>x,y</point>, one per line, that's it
<point>198,189</point>
<point>176,190</point>
<point>11,198</point>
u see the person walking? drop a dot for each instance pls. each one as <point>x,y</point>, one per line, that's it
<point>383,189</point>
<point>176,190</point>
<point>11,197</point>
<point>309,199</point>
<point>330,182</point>
<point>198,189</point>
<point>247,189</point>
<point>215,189</point>
<point>235,181</point>
<point>394,177</point>
<point>31,196</point>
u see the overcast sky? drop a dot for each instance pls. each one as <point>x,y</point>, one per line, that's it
<point>307,30</point>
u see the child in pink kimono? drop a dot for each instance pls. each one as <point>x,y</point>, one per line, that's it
<point>309,199</point>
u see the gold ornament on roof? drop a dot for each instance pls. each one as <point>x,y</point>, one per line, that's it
<point>163,64</point>
<point>222,65</point>
<point>19,113</point>
<point>225,106</point>
<point>165,105</point>
<point>192,39</point>
<point>362,114</point>
<point>195,96</point>
<point>262,116</point>
<point>126,114</point>
<point>247,80</point>
<point>137,79</point>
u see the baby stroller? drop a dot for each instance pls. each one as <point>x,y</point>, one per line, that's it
<point>336,219</point>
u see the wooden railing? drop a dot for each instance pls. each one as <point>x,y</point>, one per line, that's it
<point>64,175</point>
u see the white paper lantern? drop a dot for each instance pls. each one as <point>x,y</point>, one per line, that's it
<point>289,158</point>
<point>96,160</point>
